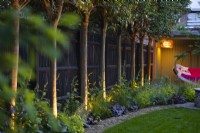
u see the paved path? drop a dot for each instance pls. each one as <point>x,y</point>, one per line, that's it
<point>102,125</point>
<point>187,105</point>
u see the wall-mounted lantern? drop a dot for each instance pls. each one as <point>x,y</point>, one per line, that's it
<point>166,43</point>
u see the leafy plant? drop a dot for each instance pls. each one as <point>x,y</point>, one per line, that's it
<point>118,110</point>
<point>32,114</point>
<point>158,93</point>
<point>72,103</point>
<point>98,106</point>
<point>189,92</point>
<point>122,94</point>
<point>143,98</point>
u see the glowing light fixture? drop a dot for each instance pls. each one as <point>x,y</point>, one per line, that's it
<point>166,43</point>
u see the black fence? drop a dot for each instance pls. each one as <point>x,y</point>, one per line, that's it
<point>68,66</point>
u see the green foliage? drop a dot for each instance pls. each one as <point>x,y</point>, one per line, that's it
<point>189,94</point>
<point>98,106</point>
<point>73,123</point>
<point>122,94</point>
<point>181,56</point>
<point>72,103</point>
<point>84,6</point>
<point>156,94</point>
<point>32,113</point>
<point>162,95</point>
<point>165,17</point>
<point>143,98</point>
<point>70,20</point>
<point>187,90</point>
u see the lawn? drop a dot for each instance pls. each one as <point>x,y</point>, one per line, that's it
<point>177,120</point>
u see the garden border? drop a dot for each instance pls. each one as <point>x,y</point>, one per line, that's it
<point>109,122</point>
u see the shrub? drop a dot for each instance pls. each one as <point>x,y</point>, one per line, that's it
<point>158,99</point>
<point>158,93</point>
<point>34,115</point>
<point>99,107</point>
<point>143,98</point>
<point>169,91</point>
<point>73,123</point>
<point>189,92</point>
<point>72,102</point>
<point>122,94</point>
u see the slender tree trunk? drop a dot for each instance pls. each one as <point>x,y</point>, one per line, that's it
<point>103,58</point>
<point>83,62</point>
<point>133,50</point>
<point>142,60</point>
<point>119,70</point>
<point>15,47</point>
<point>53,79</point>
<point>15,53</point>
<point>54,11</point>
<point>149,59</point>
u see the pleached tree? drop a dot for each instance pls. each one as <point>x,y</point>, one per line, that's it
<point>112,14</point>
<point>132,30</point>
<point>120,17</point>
<point>54,12</point>
<point>16,6</point>
<point>104,8</point>
<point>144,10</point>
<point>84,8</point>
<point>104,27</point>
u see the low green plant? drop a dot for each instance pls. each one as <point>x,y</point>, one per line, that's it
<point>34,115</point>
<point>73,123</point>
<point>158,93</point>
<point>158,99</point>
<point>72,102</point>
<point>122,93</point>
<point>188,91</point>
<point>98,106</point>
<point>143,98</point>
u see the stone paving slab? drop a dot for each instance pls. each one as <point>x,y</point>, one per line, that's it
<point>189,105</point>
<point>102,125</point>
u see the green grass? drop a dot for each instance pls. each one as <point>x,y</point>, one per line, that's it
<point>177,120</point>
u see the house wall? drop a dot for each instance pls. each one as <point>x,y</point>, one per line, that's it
<point>165,57</point>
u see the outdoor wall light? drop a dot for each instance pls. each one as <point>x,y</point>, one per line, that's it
<point>166,43</point>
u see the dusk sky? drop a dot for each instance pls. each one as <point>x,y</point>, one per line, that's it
<point>195,4</point>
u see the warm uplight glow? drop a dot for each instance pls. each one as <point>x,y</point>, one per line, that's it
<point>166,44</point>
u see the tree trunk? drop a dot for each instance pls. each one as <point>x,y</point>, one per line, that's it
<point>83,62</point>
<point>149,59</point>
<point>119,72</point>
<point>103,59</point>
<point>54,16</point>
<point>15,53</point>
<point>53,79</point>
<point>142,60</point>
<point>133,51</point>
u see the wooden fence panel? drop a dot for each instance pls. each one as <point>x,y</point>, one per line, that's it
<point>111,61</point>
<point>68,65</point>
